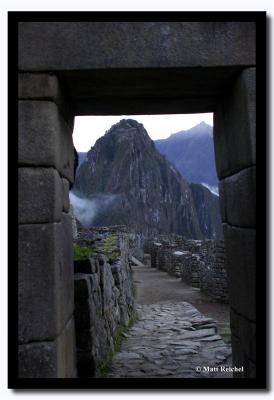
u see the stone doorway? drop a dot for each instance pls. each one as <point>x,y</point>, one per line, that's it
<point>177,67</point>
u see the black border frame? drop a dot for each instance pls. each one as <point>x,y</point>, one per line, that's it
<point>260,382</point>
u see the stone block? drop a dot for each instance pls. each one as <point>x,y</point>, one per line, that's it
<point>66,203</point>
<point>45,276</point>
<point>40,195</point>
<point>43,86</point>
<point>239,198</point>
<point>64,279</point>
<point>246,332</point>
<point>240,244</point>
<point>37,360</point>
<point>94,282</point>
<point>38,86</point>
<point>66,352</point>
<point>44,137</point>
<point>235,126</point>
<point>55,359</point>
<point>134,45</point>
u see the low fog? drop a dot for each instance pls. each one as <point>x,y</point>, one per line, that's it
<point>85,209</point>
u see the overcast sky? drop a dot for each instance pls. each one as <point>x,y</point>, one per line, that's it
<point>88,129</point>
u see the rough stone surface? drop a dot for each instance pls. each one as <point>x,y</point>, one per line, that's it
<point>171,341</point>
<point>200,263</point>
<point>45,280</point>
<point>38,86</point>
<point>212,270</point>
<point>64,278</point>
<point>44,137</point>
<point>241,269</point>
<point>55,359</point>
<point>235,126</point>
<point>103,298</point>
<point>66,352</point>
<point>41,86</point>
<point>38,360</point>
<point>165,44</point>
<point>40,195</point>
<point>245,331</point>
<point>239,198</point>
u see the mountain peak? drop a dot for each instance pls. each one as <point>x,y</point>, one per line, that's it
<point>202,126</point>
<point>127,128</point>
<point>202,123</point>
<point>148,193</point>
<point>200,129</point>
<point>126,124</point>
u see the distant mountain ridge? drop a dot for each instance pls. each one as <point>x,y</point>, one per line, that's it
<point>192,152</point>
<point>147,192</point>
<point>208,211</point>
<point>82,156</point>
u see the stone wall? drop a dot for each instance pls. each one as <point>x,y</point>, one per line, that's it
<point>46,294</point>
<point>172,67</point>
<point>104,300</point>
<point>199,263</point>
<point>235,146</point>
<point>212,271</point>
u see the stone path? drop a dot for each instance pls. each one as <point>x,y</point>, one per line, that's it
<point>171,341</point>
<point>155,286</point>
<point>171,338</point>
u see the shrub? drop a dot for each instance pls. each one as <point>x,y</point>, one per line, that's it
<point>110,248</point>
<point>82,253</point>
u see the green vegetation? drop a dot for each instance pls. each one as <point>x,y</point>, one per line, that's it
<point>117,346</point>
<point>82,252</point>
<point>110,248</point>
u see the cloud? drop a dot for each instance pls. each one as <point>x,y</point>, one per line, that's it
<point>85,209</point>
<point>213,189</point>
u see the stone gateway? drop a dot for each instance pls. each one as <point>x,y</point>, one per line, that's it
<point>81,68</point>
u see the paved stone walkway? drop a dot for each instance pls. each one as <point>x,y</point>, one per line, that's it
<point>171,341</point>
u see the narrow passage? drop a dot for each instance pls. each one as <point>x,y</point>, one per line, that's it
<point>176,334</point>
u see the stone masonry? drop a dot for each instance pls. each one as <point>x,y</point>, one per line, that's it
<point>104,300</point>
<point>173,67</point>
<point>235,146</point>
<point>46,296</point>
<point>212,270</point>
<point>199,263</point>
